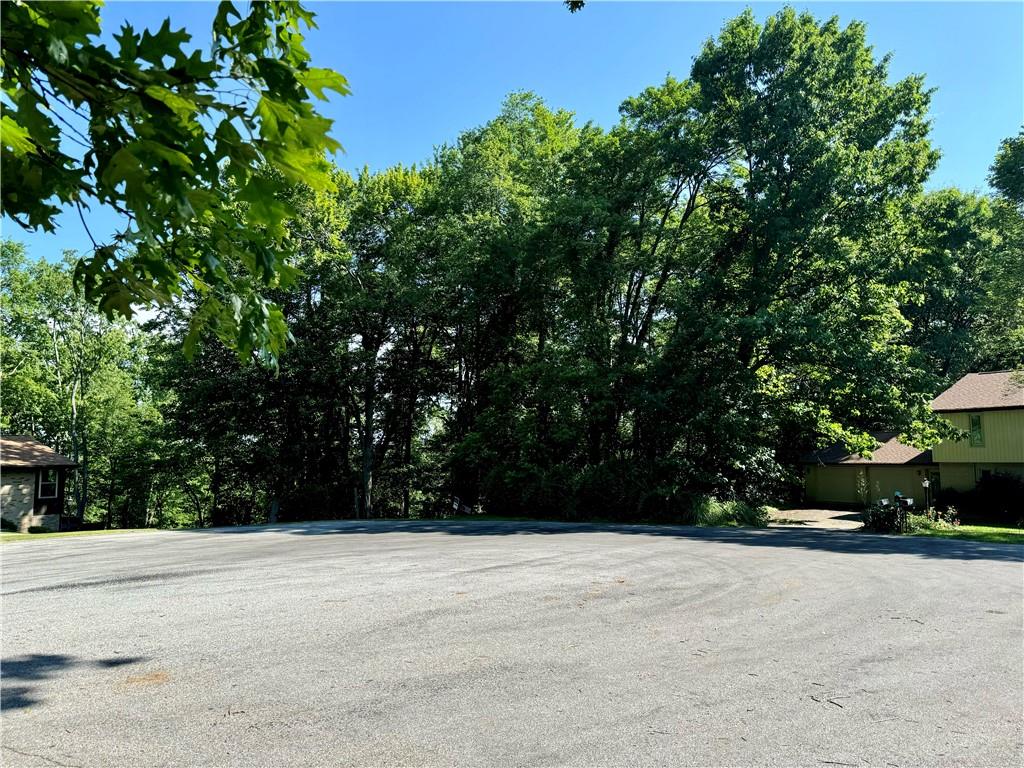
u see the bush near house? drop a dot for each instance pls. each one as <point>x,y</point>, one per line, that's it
<point>998,498</point>
<point>890,518</point>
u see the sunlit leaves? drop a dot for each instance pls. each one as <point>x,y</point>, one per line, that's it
<point>319,80</point>
<point>165,135</point>
<point>15,138</point>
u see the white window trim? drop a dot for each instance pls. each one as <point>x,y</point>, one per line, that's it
<point>39,484</point>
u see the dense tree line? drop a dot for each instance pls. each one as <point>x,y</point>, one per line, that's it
<point>555,319</point>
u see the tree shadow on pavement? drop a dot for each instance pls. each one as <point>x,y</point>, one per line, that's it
<point>842,541</point>
<point>20,677</point>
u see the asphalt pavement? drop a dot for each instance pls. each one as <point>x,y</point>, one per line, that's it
<point>462,643</point>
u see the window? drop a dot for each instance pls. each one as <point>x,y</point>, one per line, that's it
<point>48,484</point>
<point>977,436</point>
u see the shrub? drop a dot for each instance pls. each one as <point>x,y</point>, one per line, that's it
<point>38,529</point>
<point>890,518</point>
<point>748,514</point>
<point>7,525</point>
<point>935,521</point>
<point>709,511</point>
<point>1001,497</point>
<point>949,516</point>
<point>997,498</point>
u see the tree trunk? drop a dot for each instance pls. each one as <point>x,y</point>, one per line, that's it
<point>369,406</point>
<point>195,503</point>
<point>216,513</point>
<point>407,458</point>
<point>110,497</point>
<point>367,451</point>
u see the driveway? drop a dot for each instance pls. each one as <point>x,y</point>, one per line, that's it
<point>510,644</point>
<point>830,519</point>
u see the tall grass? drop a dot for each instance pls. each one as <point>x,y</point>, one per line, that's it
<point>709,511</point>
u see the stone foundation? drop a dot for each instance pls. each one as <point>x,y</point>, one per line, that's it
<point>17,492</point>
<point>49,522</point>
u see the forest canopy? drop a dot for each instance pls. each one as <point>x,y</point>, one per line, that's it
<point>556,319</point>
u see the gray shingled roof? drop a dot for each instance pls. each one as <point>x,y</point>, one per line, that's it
<point>982,391</point>
<point>889,451</point>
<point>25,452</point>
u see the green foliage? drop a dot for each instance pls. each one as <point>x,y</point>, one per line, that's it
<point>75,380</point>
<point>1007,174</point>
<point>934,520</point>
<point>711,281</point>
<point>38,529</point>
<point>649,323</point>
<point>708,511</point>
<point>962,294</point>
<point>7,525</point>
<point>172,139</point>
<point>1003,343</point>
<point>890,518</point>
<point>998,498</point>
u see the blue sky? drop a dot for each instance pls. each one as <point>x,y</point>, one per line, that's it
<point>422,72</point>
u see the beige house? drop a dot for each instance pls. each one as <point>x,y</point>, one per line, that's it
<point>836,476</point>
<point>33,479</point>
<point>989,407</point>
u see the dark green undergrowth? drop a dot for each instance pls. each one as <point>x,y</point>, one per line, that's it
<point>697,509</point>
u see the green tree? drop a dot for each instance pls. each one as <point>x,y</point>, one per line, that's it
<point>551,318</point>
<point>75,380</point>
<point>964,295</point>
<point>1007,172</point>
<point>1003,344</point>
<point>172,139</point>
<point>949,271</point>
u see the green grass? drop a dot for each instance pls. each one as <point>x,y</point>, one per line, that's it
<point>986,533</point>
<point>61,534</point>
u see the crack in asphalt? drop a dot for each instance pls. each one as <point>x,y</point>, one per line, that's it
<point>41,757</point>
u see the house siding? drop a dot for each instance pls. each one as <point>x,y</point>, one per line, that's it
<point>832,484</point>
<point>964,477</point>
<point>859,483</point>
<point>961,464</point>
<point>1003,433</point>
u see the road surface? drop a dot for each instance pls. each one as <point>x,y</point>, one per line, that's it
<point>510,644</point>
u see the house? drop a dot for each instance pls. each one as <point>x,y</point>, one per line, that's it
<point>33,479</point>
<point>989,407</point>
<point>836,476</point>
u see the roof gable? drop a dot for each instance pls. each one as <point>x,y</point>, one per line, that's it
<point>982,391</point>
<point>25,452</point>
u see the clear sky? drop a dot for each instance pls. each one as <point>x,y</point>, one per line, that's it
<point>422,72</point>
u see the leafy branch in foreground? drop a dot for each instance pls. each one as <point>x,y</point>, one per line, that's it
<point>170,138</point>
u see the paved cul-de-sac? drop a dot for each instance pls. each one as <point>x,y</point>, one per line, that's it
<point>473,643</point>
